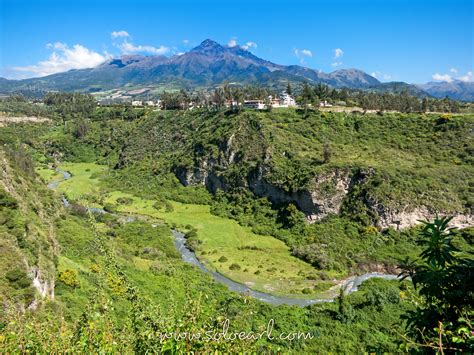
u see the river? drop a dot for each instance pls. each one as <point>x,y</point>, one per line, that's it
<point>350,284</point>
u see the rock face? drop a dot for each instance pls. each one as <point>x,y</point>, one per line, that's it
<point>326,195</point>
<point>404,219</point>
<point>329,193</point>
<point>40,230</point>
<point>44,287</point>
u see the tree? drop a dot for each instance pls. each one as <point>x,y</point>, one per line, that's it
<point>81,128</point>
<point>424,105</point>
<point>327,153</point>
<point>268,104</point>
<point>288,88</point>
<point>294,217</point>
<point>71,105</point>
<point>306,95</point>
<point>218,98</point>
<point>444,278</point>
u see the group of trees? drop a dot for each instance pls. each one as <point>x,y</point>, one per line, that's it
<point>308,95</point>
<point>71,105</point>
<point>234,95</point>
<point>77,105</point>
<point>402,102</point>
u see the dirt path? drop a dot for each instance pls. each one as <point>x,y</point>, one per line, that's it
<point>18,119</point>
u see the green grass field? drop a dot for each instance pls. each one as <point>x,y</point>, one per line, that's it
<point>264,263</point>
<point>84,179</point>
<point>47,174</point>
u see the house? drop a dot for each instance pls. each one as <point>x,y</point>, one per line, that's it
<point>137,103</point>
<point>256,104</point>
<point>231,103</point>
<point>325,104</point>
<point>286,100</point>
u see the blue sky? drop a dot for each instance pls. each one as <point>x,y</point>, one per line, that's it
<point>413,41</point>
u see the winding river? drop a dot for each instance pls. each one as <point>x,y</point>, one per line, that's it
<point>350,284</point>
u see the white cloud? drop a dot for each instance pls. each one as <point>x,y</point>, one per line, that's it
<point>302,54</point>
<point>62,59</point>
<point>185,42</point>
<point>382,76</point>
<point>336,64</point>
<point>442,77</point>
<point>449,78</point>
<point>466,78</point>
<point>249,45</point>
<point>118,34</point>
<point>232,42</point>
<point>128,48</point>
<point>338,53</point>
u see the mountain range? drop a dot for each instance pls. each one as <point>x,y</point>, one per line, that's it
<point>210,64</point>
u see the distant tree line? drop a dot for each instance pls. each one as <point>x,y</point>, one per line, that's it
<point>66,106</point>
<point>215,99</point>
<point>402,102</point>
<point>307,96</point>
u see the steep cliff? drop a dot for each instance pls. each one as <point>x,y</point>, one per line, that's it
<point>27,233</point>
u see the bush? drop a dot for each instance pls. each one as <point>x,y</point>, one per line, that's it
<point>222,259</point>
<point>313,254</point>
<point>191,234</point>
<point>18,278</point>
<point>125,201</point>
<point>6,200</point>
<point>69,278</point>
<point>234,267</point>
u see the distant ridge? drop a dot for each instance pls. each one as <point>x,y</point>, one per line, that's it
<point>207,65</point>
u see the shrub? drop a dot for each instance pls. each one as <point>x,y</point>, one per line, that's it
<point>125,201</point>
<point>6,200</point>
<point>18,278</point>
<point>234,267</point>
<point>222,259</point>
<point>191,234</point>
<point>69,278</point>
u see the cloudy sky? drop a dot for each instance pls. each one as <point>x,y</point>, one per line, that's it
<point>414,41</point>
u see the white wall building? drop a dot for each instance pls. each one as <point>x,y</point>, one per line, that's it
<point>287,100</point>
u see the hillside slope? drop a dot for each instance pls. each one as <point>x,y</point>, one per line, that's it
<point>393,169</point>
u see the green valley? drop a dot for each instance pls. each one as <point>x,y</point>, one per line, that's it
<point>287,202</point>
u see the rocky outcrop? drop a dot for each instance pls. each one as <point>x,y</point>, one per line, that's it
<point>326,195</point>
<point>277,195</point>
<point>409,217</point>
<point>44,286</point>
<point>329,192</point>
<point>203,174</point>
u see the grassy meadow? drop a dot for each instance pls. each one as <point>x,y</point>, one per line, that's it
<point>263,263</point>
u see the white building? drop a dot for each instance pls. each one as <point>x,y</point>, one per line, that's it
<point>287,100</point>
<point>257,104</point>
<point>325,104</point>
<point>137,103</point>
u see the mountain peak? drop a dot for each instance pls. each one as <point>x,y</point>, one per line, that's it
<point>208,46</point>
